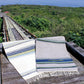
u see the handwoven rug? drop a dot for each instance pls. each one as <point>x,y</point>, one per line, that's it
<point>44,58</point>
<point>52,55</point>
<point>22,55</point>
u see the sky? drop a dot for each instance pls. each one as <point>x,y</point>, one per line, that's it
<point>63,3</point>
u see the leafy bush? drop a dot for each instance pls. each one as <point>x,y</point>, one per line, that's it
<point>1,39</point>
<point>41,24</point>
<point>40,34</point>
<point>78,38</point>
<point>46,21</point>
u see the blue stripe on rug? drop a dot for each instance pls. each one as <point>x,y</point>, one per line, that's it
<point>21,50</point>
<point>53,60</point>
<point>21,54</point>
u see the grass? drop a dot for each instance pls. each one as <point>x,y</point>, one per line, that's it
<point>44,21</point>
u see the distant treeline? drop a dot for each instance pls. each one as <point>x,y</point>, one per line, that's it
<point>46,21</point>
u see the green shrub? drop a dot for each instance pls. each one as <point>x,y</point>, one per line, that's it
<point>41,24</point>
<point>1,39</point>
<point>46,21</point>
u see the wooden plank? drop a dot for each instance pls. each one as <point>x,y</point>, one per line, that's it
<point>76,51</point>
<point>6,37</point>
<point>0,69</point>
<point>33,36</point>
<point>17,28</point>
<point>9,73</point>
<point>11,36</point>
<point>0,47</point>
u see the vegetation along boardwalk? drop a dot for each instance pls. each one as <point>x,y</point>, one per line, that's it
<point>14,31</point>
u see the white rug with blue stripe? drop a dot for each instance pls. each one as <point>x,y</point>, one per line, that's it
<point>52,55</point>
<point>21,54</point>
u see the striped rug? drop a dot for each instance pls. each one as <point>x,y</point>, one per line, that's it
<point>22,55</point>
<point>52,55</point>
<point>44,58</point>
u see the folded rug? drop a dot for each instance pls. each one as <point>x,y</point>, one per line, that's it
<point>52,55</point>
<point>22,55</point>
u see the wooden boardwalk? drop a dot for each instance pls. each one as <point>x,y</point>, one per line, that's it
<point>9,73</point>
<point>0,47</point>
<point>14,31</point>
<point>0,70</point>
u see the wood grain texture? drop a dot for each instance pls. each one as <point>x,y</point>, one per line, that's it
<point>9,73</point>
<point>0,47</point>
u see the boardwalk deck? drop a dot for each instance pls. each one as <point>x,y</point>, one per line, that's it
<point>0,47</point>
<point>0,70</point>
<point>18,29</point>
<point>11,36</point>
<point>9,73</point>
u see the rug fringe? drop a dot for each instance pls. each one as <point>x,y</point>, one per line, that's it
<point>51,74</point>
